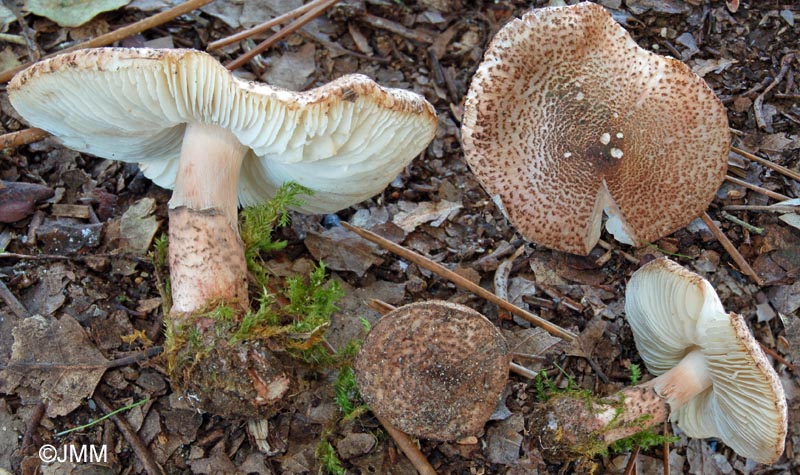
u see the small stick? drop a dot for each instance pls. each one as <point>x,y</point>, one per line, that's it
<point>33,424</point>
<point>289,29</point>
<point>759,102</point>
<point>763,191</point>
<point>142,452</point>
<point>124,32</point>
<point>780,359</point>
<point>610,247</point>
<point>446,273</point>
<point>291,15</point>
<point>778,168</point>
<point>744,224</point>
<point>13,303</point>
<point>728,245</point>
<point>396,28</point>
<point>776,208</point>
<point>22,137</point>
<point>522,371</point>
<point>630,468</point>
<point>16,39</point>
<point>415,456</point>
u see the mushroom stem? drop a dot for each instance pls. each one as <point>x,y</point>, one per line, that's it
<point>206,254</point>
<point>586,426</point>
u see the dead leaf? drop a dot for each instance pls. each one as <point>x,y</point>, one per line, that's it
<point>138,226</point>
<point>73,12</point>
<point>504,440</point>
<point>584,345</point>
<point>291,70</point>
<point>341,250</point>
<point>48,295</point>
<point>53,361</point>
<point>18,200</point>
<point>704,66</point>
<point>11,430</point>
<point>426,212</point>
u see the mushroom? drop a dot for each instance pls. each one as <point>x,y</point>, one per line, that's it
<point>434,369</point>
<point>713,379</point>
<point>567,117</point>
<point>221,141</point>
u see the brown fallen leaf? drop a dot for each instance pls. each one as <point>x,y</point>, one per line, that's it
<point>583,346</point>
<point>427,212</point>
<point>52,361</point>
<point>341,250</point>
<point>18,200</point>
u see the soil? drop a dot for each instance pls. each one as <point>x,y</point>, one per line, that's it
<point>81,259</point>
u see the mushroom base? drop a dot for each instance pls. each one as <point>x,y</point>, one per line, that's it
<point>223,376</point>
<point>570,425</point>
<point>206,260</point>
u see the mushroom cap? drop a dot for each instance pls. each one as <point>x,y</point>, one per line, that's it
<point>567,116</point>
<point>673,311</point>
<point>433,369</point>
<point>345,140</point>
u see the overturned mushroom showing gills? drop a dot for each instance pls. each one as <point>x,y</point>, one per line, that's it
<point>713,379</point>
<point>568,117</point>
<point>220,141</point>
<point>433,369</point>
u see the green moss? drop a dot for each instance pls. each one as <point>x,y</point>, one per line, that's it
<point>329,460</point>
<point>636,374</point>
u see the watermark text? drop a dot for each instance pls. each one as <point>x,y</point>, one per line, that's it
<point>74,453</point>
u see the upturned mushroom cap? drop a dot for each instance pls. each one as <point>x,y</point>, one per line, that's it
<point>568,116</point>
<point>673,311</point>
<point>433,369</point>
<point>345,140</point>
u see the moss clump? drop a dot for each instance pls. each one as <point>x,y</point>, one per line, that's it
<point>240,362</point>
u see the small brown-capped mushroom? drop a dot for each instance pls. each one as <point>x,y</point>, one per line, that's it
<point>435,369</point>
<point>567,117</point>
<point>713,379</point>
<point>221,141</point>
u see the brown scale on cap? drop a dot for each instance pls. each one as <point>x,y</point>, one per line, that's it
<point>567,115</point>
<point>433,369</point>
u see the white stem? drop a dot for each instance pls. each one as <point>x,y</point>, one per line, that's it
<point>208,172</point>
<point>206,255</point>
<point>683,382</point>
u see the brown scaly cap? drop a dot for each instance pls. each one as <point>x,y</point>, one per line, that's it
<point>434,369</point>
<point>568,116</point>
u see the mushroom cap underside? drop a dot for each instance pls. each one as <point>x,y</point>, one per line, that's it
<point>673,311</point>
<point>568,116</point>
<point>345,140</point>
<point>433,369</point>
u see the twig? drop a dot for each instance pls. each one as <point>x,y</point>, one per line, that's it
<point>13,303</point>
<point>522,371</point>
<point>33,424</point>
<point>22,137</point>
<point>446,273</point>
<point>396,28</point>
<point>728,245</point>
<point>283,32</point>
<point>744,224</point>
<point>780,359</point>
<point>415,456</point>
<point>630,468</point>
<point>142,452</point>
<point>778,168</point>
<point>610,247</point>
<point>124,361</point>
<point>776,208</point>
<point>759,102</point>
<point>121,33</point>
<point>16,39</point>
<point>763,191</point>
<point>264,26</point>
<point>80,258</point>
